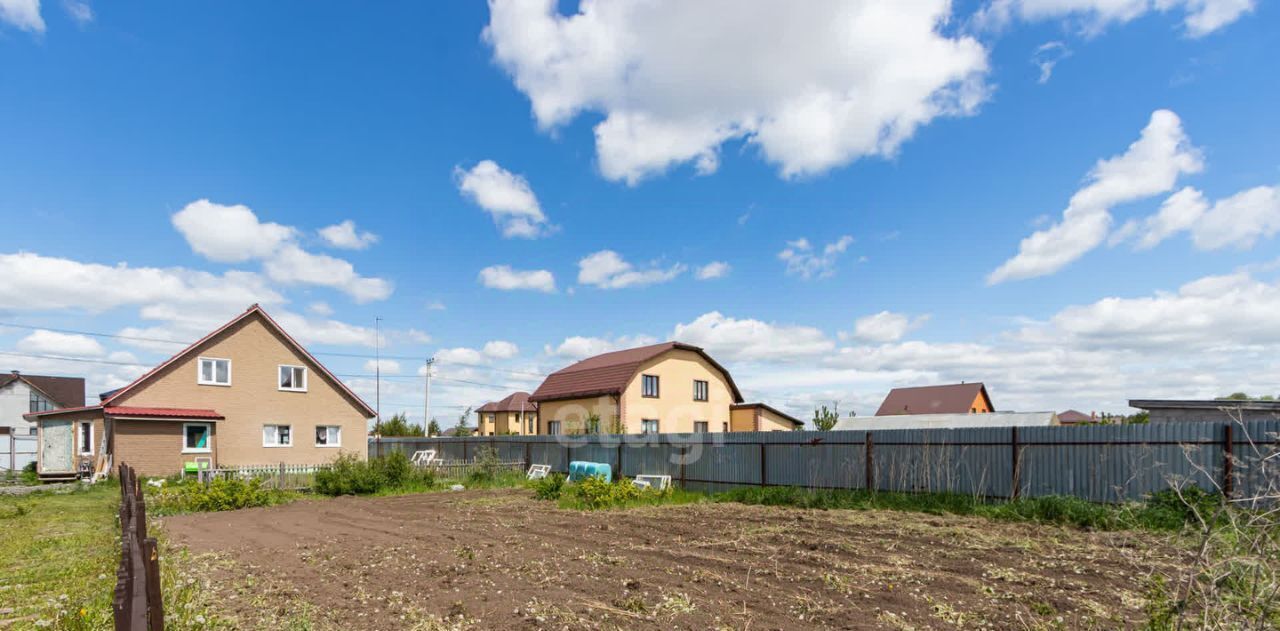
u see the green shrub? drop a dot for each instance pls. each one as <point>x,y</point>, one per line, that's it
<point>29,475</point>
<point>393,472</point>
<point>221,494</point>
<point>548,488</point>
<point>488,466</point>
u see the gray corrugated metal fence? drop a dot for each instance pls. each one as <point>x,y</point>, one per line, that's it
<point>1102,463</point>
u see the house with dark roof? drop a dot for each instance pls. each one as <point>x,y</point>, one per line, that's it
<point>662,388</point>
<point>22,394</point>
<point>1074,417</point>
<point>246,394</point>
<point>1214,410</point>
<point>514,414</point>
<point>959,398</point>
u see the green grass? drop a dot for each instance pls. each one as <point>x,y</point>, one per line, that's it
<point>58,558</point>
<point>672,496</point>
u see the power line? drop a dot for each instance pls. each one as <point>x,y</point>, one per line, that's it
<point>137,338</point>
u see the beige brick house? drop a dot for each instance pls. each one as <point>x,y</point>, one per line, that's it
<point>246,394</point>
<point>663,388</point>
<point>513,415</point>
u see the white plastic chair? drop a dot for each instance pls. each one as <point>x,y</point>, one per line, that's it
<point>663,482</point>
<point>423,458</point>
<point>538,471</point>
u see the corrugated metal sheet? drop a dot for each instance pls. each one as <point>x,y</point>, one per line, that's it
<point>1103,463</point>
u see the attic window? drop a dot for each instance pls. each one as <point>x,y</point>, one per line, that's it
<point>214,372</point>
<point>293,378</point>
<point>649,387</point>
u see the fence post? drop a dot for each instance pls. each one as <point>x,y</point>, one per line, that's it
<point>464,450</point>
<point>684,455</point>
<point>155,601</point>
<point>528,460</point>
<point>871,469</point>
<point>280,479</point>
<point>1227,446</point>
<point>763,480</point>
<point>1015,462</point>
<point>567,456</point>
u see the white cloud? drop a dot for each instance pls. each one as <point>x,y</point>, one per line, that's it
<point>714,269</point>
<point>1047,56</point>
<point>292,264</point>
<point>607,270</point>
<point>1236,221</point>
<point>80,12</point>
<point>1179,212</point>
<point>389,366</point>
<point>24,14</point>
<point>804,261</point>
<point>320,308</point>
<point>811,85</point>
<point>579,347</point>
<point>435,305</point>
<point>229,234</point>
<point>325,331</point>
<point>462,355</point>
<point>885,326</point>
<point>501,349</point>
<point>751,339</point>
<point>344,235</point>
<point>1200,17</point>
<point>44,342</point>
<point>507,279</point>
<point>1150,166</point>
<point>506,196</point>
<point>417,337</point>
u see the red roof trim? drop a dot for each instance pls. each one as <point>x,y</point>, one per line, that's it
<point>163,412</point>
<point>84,408</point>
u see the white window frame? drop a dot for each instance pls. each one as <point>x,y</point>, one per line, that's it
<point>200,372</point>
<point>335,444</point>
<point>277,435</point>
<point>305,377</point>
<point>657,426</point>
<point>80,437</point>
<point>706,427</point>
<point>208,430</point>
<point>553,428</point>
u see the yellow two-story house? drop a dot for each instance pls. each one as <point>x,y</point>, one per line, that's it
<point>513,415</point>
<point>663,388</point>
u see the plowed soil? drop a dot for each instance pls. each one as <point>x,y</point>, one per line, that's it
<point>502,560</point>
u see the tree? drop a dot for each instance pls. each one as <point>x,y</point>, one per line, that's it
<point>433,428</point>
<point>824,419</point>
<point>399,425</point>
<point>1237,396</point>
<point>461,429</point>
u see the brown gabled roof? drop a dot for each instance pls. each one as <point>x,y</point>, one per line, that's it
<point>1074,416</point>
<point>765,406</point>
<point>66,392</point>
<point>951,399</point>
<point>610,373</point>
<point>514,402</point>
<point>272,324</point>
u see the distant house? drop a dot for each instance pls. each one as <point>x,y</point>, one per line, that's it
<point>514,414</point>
<point>960,398</point>
<point>1216,410</point>
<point>965,420</point>
<point>246,394</point>
<point>457,431</point>
<point>23,394</point>
<point>662,388</point>
<point>1074,417</point>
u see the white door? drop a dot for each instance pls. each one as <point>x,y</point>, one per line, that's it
<point>56,440</point>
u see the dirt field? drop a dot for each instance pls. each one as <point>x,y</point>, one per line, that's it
<point>499,559</point>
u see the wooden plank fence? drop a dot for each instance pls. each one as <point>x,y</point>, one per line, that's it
<point>138,605</point>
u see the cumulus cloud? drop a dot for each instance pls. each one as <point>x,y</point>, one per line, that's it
<point>500,349</point>
<point>606,269</point>
<point>712,270</point>
<point>462,355</point>
<point>234,234</point>
<point>811,85</point>
<point>885,326</point>
<point>389,366</point>
<point>1047,56</point>
<point>44,342</point>
<point>579,347</point>
<point>507,279</point>
<point>325,330</point>
<point>1200,17</point>
<point>805,261</point>
<point>320,308</point>
<point>23,14</point>
<point>507,197</point>
<point>1150,166</point>
<point>344,235</point>
<point>748,339</point>
<point>1237,221</point>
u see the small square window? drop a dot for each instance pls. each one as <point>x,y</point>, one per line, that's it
<point>649,386</point>
<point>699,390</point>
<point>293,378</point>
<point>277,436</point>
<point>700,427</point>
<point>649,426</point>
<point>214,372</point>
<point>553,428</point>
<point>328,436</point>
<point>195,438</point>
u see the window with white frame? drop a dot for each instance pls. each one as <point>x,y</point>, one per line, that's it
<point>328,436</point>
<point>649,386</point>
<point>214,372</point>
<point>196,437</point>
<point>86,438</point>
<point>553,427</point>
<point>700,427</point>
<point>293,378</point>
<point>649,426</point>
<point>277,436</point>
<point>699,390</point>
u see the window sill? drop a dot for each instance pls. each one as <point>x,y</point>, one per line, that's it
<point>328,446</point>
<point>291,389</point>
<point>277,446</point>
<point>213,383</point>
<point>197,451</point>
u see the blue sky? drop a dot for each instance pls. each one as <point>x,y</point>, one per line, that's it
<point>911,149</point>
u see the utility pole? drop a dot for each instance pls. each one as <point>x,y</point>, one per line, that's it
<point>377,372</point>
<point>426,400</point>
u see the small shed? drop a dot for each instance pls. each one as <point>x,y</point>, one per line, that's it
<point>947,421</point>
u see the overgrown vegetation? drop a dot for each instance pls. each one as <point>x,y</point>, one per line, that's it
<point>594,493</point>
<point>392,473</point>
<point>824,419</point>
<point>191,496</point>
